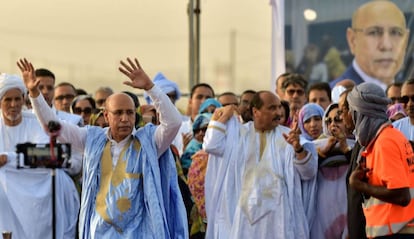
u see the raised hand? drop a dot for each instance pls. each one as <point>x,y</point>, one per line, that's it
<point>330,144</point>
<point>293,137</point>
<point>340,137</point>
<point>133,70</point>
<point>29,77</point>
<point>223,114</point>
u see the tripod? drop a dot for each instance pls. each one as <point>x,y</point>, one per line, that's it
<point>54,129</point>
<point>51,156</point>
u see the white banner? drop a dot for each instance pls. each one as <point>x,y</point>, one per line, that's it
<point>278,41</point>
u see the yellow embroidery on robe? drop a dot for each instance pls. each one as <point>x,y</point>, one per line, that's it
<point>106,175</point>
<point>114,177</point>
<point>123,204</point>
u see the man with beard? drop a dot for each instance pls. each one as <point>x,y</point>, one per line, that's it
<point>25,192</point>
<point>260,176</point>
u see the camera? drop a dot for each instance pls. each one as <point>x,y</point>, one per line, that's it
<point>31,155</point>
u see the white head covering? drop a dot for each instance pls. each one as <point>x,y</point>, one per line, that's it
<point>337,92</point>
<point>8,82</point>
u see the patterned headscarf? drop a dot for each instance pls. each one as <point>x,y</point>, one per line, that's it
<point>368,107</point>
<point>308,111</point>
<point>201,121</point>
<point>396,109</point>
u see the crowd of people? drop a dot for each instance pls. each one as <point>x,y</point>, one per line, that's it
<point>317,158</point>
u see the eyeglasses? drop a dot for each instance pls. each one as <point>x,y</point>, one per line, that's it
<point>299,92</point>
<point>100,101</point>
<point>395,33</point>
<point>336,119</point>
<point>396,99</point>
<point>406,98</point>
<point>78,110</point>
<point>68,97</point>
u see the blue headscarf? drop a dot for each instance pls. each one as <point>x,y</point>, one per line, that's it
<point>165,85</point>
<point>201,120</point>
<point>194,145</point>
<point>207,103</point>
<point>306,112</point>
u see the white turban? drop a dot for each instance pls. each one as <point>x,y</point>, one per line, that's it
<point>8,82</point>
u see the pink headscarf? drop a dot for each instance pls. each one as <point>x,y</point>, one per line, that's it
<point>395,109</point>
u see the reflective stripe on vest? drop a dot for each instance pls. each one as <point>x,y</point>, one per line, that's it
<point>392,228</point>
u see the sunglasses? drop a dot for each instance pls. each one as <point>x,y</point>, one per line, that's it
<point>292,92</point>
<point>78,110</point>
<point>100,101</point>
<point>396,99</point>
<point>406,98</point>
<point>68,97</point>
<point>336,119</point>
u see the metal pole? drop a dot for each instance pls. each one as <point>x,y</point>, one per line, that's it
<point>197,12</point>
<point>190,13</point>
<point>53,203</point>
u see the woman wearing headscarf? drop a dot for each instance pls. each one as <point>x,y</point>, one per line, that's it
<point>195,161</point>
<point>209,106</point>
<point>83,105</point>
<point>97,119</point>
<point>310,121</point>
<point>310,124</point>
<point>199,128</point>
<point>396,112</point>
<point>334,149</point>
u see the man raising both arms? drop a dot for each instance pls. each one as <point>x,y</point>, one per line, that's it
<point>130,185</point>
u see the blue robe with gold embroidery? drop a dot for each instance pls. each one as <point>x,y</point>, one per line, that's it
<point>144,202</point>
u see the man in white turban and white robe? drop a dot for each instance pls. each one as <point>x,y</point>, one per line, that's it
<point>26,194</point>
<point>261,176</point>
